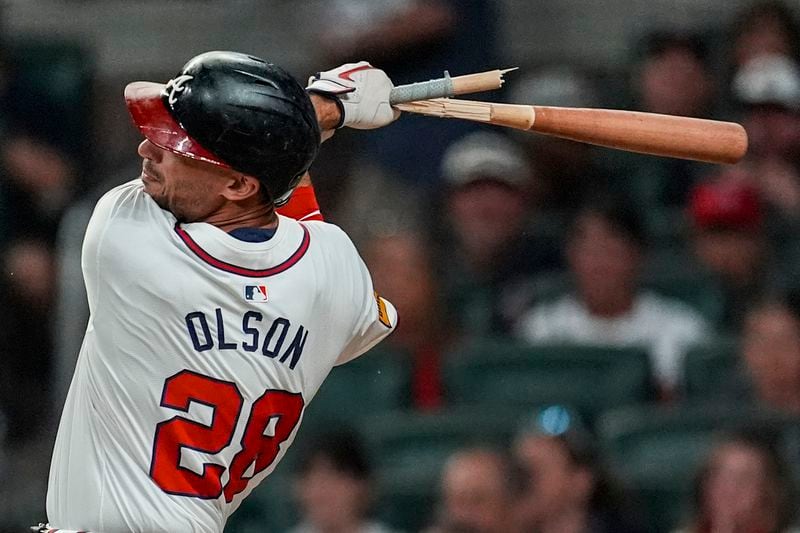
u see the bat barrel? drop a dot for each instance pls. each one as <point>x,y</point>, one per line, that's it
<point>649,133</point>
<point>710,141</point>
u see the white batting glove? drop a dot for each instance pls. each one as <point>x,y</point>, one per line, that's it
<point>363,92</point>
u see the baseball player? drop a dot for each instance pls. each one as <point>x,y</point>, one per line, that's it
<point>214,318</point>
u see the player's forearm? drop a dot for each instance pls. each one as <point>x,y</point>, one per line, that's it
<point>329,114</point>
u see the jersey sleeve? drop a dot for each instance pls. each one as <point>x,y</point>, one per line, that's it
<point>99,223</point>
<point>374,317</point>
<point>302,205</point>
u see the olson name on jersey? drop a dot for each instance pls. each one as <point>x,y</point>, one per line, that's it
<point>278,340</point>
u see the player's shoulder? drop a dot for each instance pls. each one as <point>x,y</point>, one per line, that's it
<point>123,192</point>
<point>325,235</point>
<point>331,245</point>
<point>126,200</point>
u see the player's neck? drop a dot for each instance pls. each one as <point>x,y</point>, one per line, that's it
<point>234,216</point>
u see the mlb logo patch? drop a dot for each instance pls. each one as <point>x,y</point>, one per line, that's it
<point>256,293</point>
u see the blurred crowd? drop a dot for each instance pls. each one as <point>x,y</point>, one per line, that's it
<point>533,276</point>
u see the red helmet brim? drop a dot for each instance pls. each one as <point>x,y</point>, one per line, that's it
<point>146,106</point>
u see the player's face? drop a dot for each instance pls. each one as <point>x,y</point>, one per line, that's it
<point>190,189</point>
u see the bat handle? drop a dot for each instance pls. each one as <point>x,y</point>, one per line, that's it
<point>423,90</point>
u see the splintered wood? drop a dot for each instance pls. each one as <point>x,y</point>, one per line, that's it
<point>482,81</point>
<point>447,108</point>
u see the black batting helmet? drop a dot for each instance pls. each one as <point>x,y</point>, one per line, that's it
<point>233,110</point>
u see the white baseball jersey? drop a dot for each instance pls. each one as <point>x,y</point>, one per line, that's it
<point>200,355</point>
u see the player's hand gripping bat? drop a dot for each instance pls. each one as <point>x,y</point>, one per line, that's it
<point>648,133</point>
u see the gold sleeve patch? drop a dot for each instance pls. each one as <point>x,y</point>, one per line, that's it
<point>383,314</point>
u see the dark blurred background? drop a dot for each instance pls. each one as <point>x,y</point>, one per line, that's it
<point>589,340</point>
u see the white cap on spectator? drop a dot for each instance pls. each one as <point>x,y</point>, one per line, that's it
<point>485,155</point>
<point>770,79</point>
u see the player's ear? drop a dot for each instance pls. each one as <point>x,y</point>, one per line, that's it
<point>241,187</point>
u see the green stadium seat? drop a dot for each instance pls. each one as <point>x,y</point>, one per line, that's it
<point>270,507</point>
<point>419,443</point>
<point>658,451</point>
<point>671,274</point>
<point>377,381</point>
<point>410,449</point>
<point>515,377</point>
<point>472,306</point>
<point>712,369</point>
<point>406,502</point>
<point>665,505</point>
<point>664,443</point>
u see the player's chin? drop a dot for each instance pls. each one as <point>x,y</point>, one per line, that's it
<point>151,186</point>
<point>154,190</point>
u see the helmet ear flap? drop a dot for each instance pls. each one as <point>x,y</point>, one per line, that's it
<point>288,194</point>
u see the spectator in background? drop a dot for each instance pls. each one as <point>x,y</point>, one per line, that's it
<point>768,88</point>
<point>477,493</point>
<point>673,77</point>
<point>605,250</point>
<point>762,29</point>
<point>744,486</point>
<point>566,171</point>
<point>27,288</point>
<point>568,490</point>
<point>493,255</point>
<point>729,240</point>
<point>412,40</point>
<point>403,270</point>
<point>36,181</point>
<point>27,296</point>
<point>333,486</point>
<point>44,139</point>
<point>771,354</point>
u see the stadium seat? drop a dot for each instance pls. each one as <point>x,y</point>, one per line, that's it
<point>406,502</point>
<point>418,443</point>
<point>665,505</point>
<point>377,381</point>
<point>410,449</point>
<point>670,274</point>
<point>514,377</point>
<point>712,369</point>
<point>269,507</point>
<point>658,450</point>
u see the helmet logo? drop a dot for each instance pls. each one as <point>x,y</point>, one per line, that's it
<point>176,85</point>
